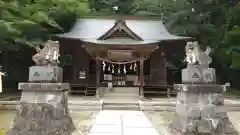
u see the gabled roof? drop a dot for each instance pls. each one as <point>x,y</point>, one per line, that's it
<point>94,28</point>
<point>120,25</point>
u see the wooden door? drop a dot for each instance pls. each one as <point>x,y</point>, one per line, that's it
<point>157,69</point>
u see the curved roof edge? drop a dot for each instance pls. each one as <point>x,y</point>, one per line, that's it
<point>146,29</point>
<point>126,17</point>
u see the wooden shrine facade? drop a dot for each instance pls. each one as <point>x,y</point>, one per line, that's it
<point>122,52</point>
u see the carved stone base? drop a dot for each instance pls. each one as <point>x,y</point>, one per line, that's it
<point>41,119</point>
<point>201,112</point>
<point>43,110</point>
<point>183,126</point>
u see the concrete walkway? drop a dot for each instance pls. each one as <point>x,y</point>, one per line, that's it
<point>122,123</point>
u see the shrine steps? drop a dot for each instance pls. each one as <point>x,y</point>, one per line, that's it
<point>120,104</point>
<point>120,98</point>
<point>120,92</point>
<point>83,90</point>
<point>116,106</point>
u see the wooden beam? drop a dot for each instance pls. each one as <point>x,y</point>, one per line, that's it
<point>120,25</point>
<point>143,47</point>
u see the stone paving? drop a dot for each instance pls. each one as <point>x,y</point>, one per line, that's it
<point>110,122</point>
<point>83,121</point>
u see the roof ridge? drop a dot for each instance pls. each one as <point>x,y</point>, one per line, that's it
<point>117,17</point>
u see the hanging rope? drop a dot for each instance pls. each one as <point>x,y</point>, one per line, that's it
<point>113,62</point>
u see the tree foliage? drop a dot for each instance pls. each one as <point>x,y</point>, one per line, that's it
<point>28,23</point>
<point>112,7</point>
<point>215,23</point>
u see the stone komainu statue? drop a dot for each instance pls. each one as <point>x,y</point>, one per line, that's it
<point>195,56</point>
<point>48,55</point>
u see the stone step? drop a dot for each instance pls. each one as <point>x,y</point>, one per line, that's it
<point>113,94</point>
<point>157,108</point>
<point>84,108</point>
<point>121,90</point>
<point>121,103</point>
<point>121,107</point>
<point>85,103</point>
<point>126,90</point>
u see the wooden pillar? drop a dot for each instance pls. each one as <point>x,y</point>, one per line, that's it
<point>141,77</point>
<point>98,72</point>
<point>1,74</point>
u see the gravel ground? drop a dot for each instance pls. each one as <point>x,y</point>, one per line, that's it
<point>162,119</point>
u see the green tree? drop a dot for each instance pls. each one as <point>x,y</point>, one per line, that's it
<point>112,7</point>
<point>25,24</point>
<point>212,22</point>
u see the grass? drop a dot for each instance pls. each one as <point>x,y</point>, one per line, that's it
<point>6,117</point>
<point>1,131</point>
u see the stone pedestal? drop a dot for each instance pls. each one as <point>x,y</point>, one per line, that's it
<point>198,75</point>
<point>45,74</point>
<point>43,108</point>
<point>200,107</point>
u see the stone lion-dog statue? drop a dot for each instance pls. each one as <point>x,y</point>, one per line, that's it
<point>195,56</point>
<point>48,55</point>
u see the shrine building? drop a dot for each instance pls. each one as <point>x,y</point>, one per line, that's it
<point>119,52</point>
